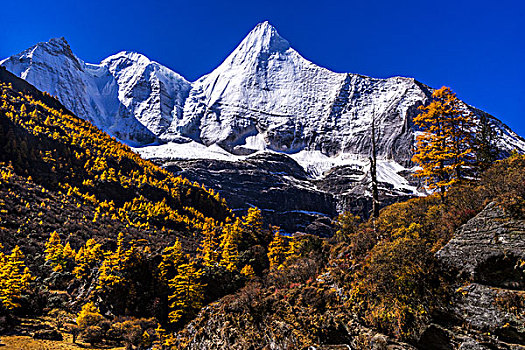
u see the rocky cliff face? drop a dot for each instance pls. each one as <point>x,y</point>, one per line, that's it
<point>487,255</point>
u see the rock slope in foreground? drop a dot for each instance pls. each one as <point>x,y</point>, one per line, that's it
<point>488,253</point>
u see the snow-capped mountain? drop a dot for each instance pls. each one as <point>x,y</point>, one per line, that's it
<point>247,127</point>
<point>127,95</point>
<point>264,96</point>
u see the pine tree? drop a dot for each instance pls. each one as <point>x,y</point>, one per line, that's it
<point>444,148</point>
<point>187,292</point>
<point>277,251</point>
<point>485,144</point>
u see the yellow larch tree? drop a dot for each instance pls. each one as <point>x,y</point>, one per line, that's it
<point>15,278</point>
<point>252,224</point>
<point>229,247</point>
<point>113,267</point>
<point>248,271</point>
<point>89,316</point>
<point>444,146</point>
<point>186,292</point>
<point>57,254</point>
<point>277,251</point>
<point>171,259</point>
<point>209,249</point>
<point>294,249</point>
<point>88,256</point>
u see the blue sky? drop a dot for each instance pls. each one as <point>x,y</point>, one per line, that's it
<point>475,47</point>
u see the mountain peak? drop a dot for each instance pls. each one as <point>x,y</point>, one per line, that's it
<point>55,47</point>
<point>127,56</point>
<point>59,41</point>
<point>264,37</point>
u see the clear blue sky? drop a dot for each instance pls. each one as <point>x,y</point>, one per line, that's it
<point>475,47</point>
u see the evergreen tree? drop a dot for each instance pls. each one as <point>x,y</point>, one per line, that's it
<point>444,148</point>
<point>485,144</point>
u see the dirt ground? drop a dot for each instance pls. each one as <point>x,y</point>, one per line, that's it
<point>16,342</point>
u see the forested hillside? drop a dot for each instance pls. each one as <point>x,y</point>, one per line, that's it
<point>95,223</point>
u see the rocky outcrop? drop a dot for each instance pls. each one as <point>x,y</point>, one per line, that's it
<point>487,249</point>
<point>287,195</point>
<point>487,255</point>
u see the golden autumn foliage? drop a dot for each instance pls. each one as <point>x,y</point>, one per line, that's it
<point>229,245</point>
<point>14,278</point>
<point>88,256</point>
<point>171,259</point>
<point>248,272</point>
<point>89,315</point>
<point>77,158</point>
<point>111,272</point>
<point>186,292</point>
<point>277,251</point>
<point>252,224</point>
<point>444,147</point>
<point>209,249</point>
<point>58,255</point>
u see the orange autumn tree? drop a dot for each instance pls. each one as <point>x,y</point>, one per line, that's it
<point>444,146</point>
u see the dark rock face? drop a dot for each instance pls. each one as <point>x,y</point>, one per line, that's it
<point>436,338</point>
<point>487,253</point>
<point>487,249</point>
<point>272,182</point>
<point>286,194</point>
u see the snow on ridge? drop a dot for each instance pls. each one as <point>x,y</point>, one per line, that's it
<point>314,163</point>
